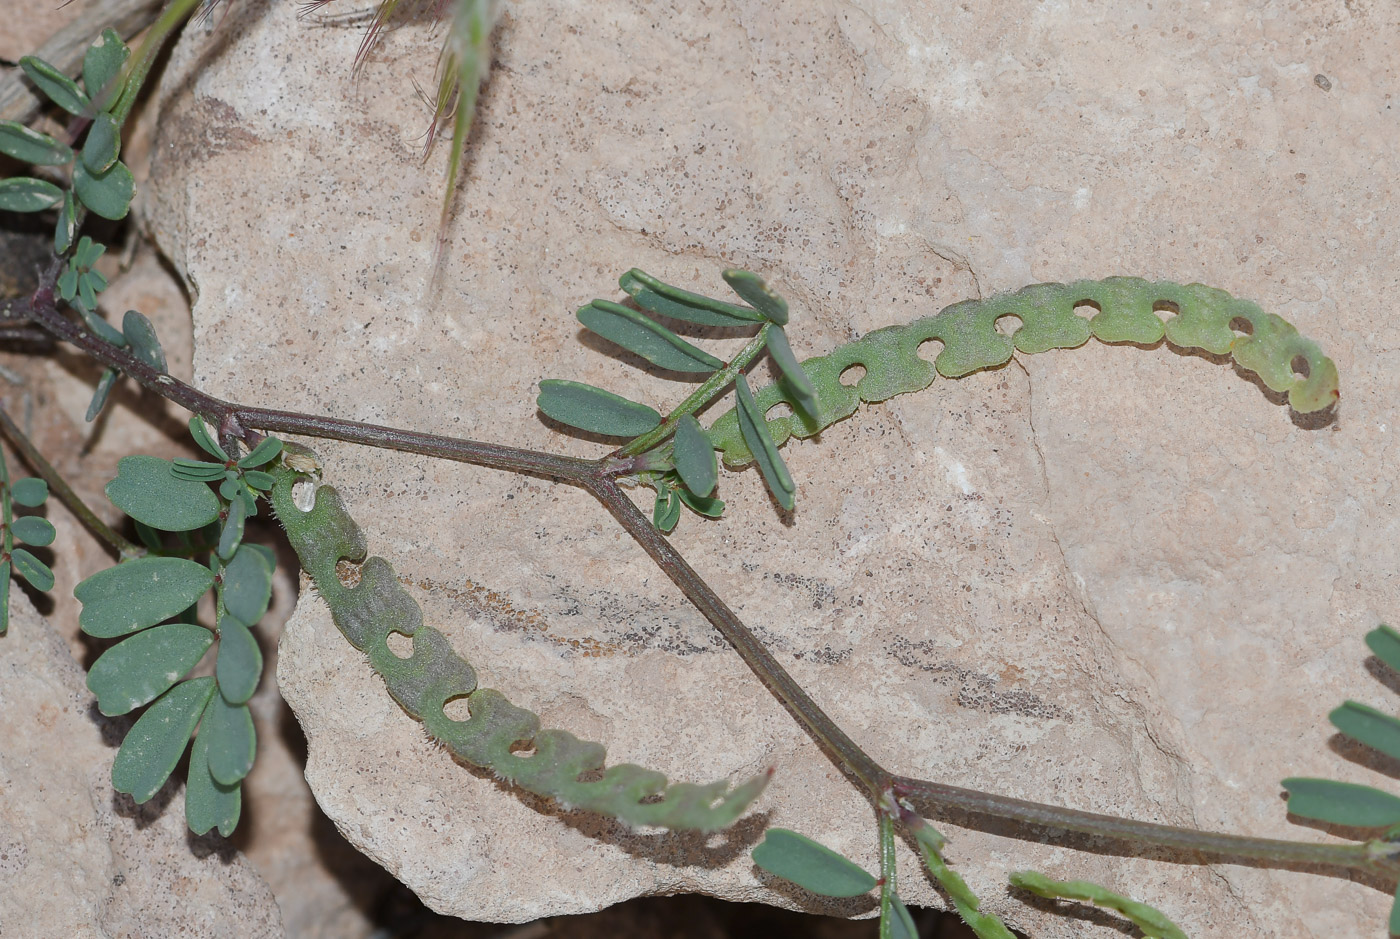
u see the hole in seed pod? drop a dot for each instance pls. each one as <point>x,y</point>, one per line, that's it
<point>457,709</point>
<point>1242,326</point>
<point>930,349</point>
<point>399,644</point>
<point>304,495</point>
<point>1166,309</point>
<point>348,573</point>
<point>1087,309</point>
<point>1008,323</point>
<point>781,409</point>
<point>1300,366</point>
<point>851,375</point>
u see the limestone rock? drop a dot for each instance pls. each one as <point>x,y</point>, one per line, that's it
<point>1117,579</point>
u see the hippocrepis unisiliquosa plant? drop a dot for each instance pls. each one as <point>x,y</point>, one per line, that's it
<point>190,517</point>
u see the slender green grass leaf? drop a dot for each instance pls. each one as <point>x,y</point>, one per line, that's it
<point>812,866</point>
<point>104,330</point>
<point>32,569</point>
<point>247,584</point>
<point>1376,729</point>
<point>100,393</point>
<point>103,144</point>
<point>593,409</point>
<point>142,336</point>
<point>4,597</point>
<point>102,63</point>
<point>31,491</point>
<point>240,663</point>
<point>147,490</point>
<point>208,803</point>
<point>1152,922</point>
<point>899,924</point>
<point>638,333</point>
<point>694,457</point>
<point>26,194</point>
<point>107,194</point>
<point>657,297</point>
<point>1340,803</point>
<point>67,225</point>
<point>138,670</point>
<point>30,146</point>
<point>795,378</point>
<point>56,86</point>
<point>770,462</point>
<point>33,530</point>
<point>155,742</point>
<point>265,452</point>
<point>139,593</point>
<point>709,507</point>
<point>206,440</point>
<point>197,469</point>
<point>233,743</point>
<point>1384,643</point>
<point>232,534</point>
<point>756,294</point>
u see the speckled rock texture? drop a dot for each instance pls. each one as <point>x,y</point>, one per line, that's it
<point>76,858</point>
<point>1119,579</point>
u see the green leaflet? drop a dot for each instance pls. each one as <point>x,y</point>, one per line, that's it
<point>434,675</point>
<point>1270,347</point>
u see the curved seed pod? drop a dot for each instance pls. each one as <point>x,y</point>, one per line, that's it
<point>1205,318</point>
<point>434,675</point>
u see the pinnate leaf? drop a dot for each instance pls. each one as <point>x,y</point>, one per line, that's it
<point>32,569</point>
<point>593,409</point>
<point>1376,729</point>
<point>810,865</point>
<point>642,335</point>
<point>209,803</point>
<point>30,491</point>
<point>33,530</point>
<point>155,742</point>
<point>796,379</point>
<point>651,294</point>
<point>770,462</point>
<point>67,224</point>
<point>756,294</point>
<point>247,584</point>
<point>197,469</point>
<point>139,593</point>
<point>26,194</point>
<point>206,440</point>
<point>100,393</point>
<point>232,534</point>
<point>147,490</point>
<point>709,506</point>
<point>1340,803</point>
<point>233,743</point>
<point>57,87</point>
<point>107,194</point>
<point>240,663</point>
<point>138,670</point>
<point>30,146</point>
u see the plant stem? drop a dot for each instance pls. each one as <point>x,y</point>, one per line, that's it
<point>593,476</point>
<point>701,396</point>
<point>140,66</point>
<point>59,487</point>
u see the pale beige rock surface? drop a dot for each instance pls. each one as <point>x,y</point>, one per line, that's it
<point>1117,579</point>
<point>77,859</point>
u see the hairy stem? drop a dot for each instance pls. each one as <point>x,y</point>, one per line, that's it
<point>59,487</point>
<point>593,475</point>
